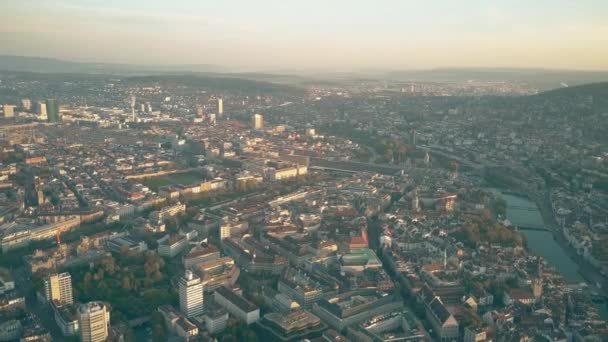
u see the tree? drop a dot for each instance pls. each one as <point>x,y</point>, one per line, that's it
<point>159,330</point>
<point>88,278</point>
<point>126,283</point>
<point>108,264</point>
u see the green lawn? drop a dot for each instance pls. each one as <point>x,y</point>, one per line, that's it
<point>190,177</point>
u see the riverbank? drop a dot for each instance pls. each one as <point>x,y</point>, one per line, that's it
<point>535,210</point>
<point>589,272</point>
<point>550,243</point>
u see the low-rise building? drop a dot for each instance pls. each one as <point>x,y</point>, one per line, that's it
<point>474,334</point>
<point>66,317</point>
<point>216,320</point>
<point>296,325</point>
<point>167,212</point>
<point>186,329</point>
<point>10,330</point>
<point>237,305</point>
<point>172,244</point>
<point>7,283</point>
<point>354,307</point>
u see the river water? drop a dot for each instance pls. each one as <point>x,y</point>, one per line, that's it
<point>525,213</point>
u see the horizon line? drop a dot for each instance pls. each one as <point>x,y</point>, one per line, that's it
<point>250,69</point>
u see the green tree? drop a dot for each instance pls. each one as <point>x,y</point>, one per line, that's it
<point>159,329</point>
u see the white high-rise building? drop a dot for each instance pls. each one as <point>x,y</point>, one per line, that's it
<point>26,104</point>
<point>58,288</point>
<point>220,106</point>
<point>191,295</point>
<point>212,119</point>
<point>93,322</point>
<point>258,121</point>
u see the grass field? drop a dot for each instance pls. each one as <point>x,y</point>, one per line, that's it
<point>190,177</point>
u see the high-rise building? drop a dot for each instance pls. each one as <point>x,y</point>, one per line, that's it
<point>190,295</point>
<point>93,322</point>
<point>52,109</point>
<point>58,288</point>
<point>199,110</point>
<point>41,110</point>
<point>220,106</point>
<point>212,119</point>
<point>9,110</point>
<point>26,104</point>
<point>258,121</point>
<point>133,102</point>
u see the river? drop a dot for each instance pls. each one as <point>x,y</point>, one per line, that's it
<point>525,213</point>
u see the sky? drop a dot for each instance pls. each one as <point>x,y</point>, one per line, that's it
<point>339,35</point>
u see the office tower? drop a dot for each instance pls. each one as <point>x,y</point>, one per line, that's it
<point>199,111</point>
<point>41,110</point>
<point>52,109</point>
<point>26,104</point>
<point>190,295</point>
<point>220,106</point>
<point>9,110</point>
<point>142,108</point>
<point>40,195</point>
<point>58,288</point>
<point>212,119</point>
<point>93,322</point>
<point>133,108</point>
<point>258,121</point>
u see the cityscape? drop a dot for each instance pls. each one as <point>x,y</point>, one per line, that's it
<point>164,202</point>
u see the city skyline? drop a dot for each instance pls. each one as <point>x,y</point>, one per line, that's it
<point>303,170</point>
<point>340,36</point>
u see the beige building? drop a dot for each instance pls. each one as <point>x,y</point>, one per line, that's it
<point>258,121</point>
<point>9,110</point>
<point>93,321</point>
<point>58,288</point>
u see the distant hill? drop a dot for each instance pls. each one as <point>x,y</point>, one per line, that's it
<point>543,79</point>
<point>215,83</point>
<point>596,93</point>
<point>593,89</point>
<point>52,65</point>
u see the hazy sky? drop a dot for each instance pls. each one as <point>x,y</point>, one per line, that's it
<point>319,34</point>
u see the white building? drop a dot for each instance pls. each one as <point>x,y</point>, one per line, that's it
<point>7,283</point>
<point>216,321</point>
<point>172,244</point>
<point>190,295</point>
<point>93,322</point>
<point>237,305</point>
